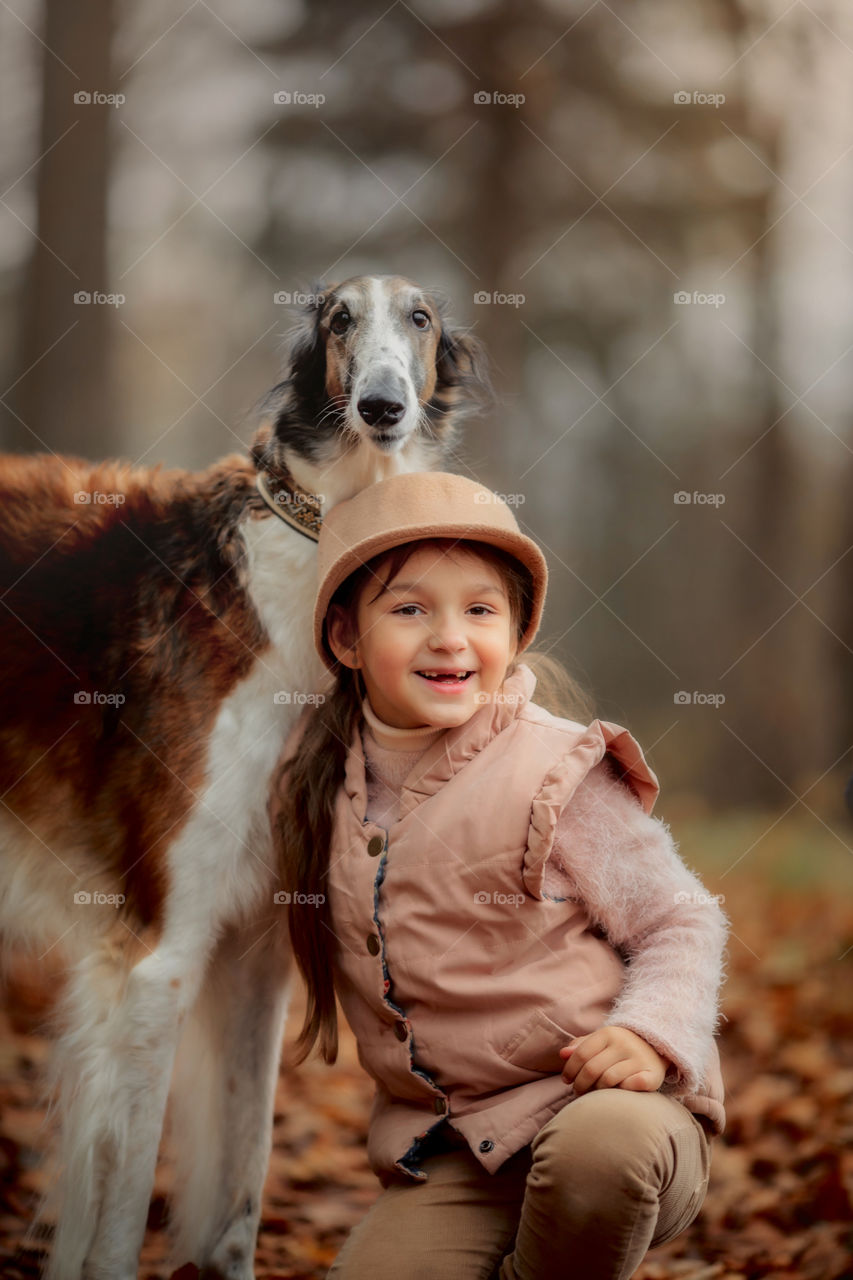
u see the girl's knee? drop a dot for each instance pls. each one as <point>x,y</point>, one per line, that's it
<point>607,1137</point>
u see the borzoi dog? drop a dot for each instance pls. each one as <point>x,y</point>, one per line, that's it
<point>156,651</point>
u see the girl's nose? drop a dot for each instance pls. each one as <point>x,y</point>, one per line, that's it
<point>447,636</point>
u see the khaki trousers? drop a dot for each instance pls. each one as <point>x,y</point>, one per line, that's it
<point>612,1174</point>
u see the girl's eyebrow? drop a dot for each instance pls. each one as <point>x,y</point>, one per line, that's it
<point>479,588</point>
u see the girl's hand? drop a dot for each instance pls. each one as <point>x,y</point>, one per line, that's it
<point>613,1058</point>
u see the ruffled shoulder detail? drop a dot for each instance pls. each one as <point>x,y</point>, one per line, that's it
<point>601,738</point>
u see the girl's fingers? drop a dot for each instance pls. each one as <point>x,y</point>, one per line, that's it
<point>587,1075</point>
<point>639,1081</point>
<point>623,1065</point>
<point>617,1069</point>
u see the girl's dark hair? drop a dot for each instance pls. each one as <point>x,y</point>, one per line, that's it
<point>309,780</point>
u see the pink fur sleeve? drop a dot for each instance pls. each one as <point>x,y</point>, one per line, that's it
<point>624,866</point>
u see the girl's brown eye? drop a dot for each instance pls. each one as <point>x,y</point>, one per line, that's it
<point>420,319</point>
<point>339,322</point>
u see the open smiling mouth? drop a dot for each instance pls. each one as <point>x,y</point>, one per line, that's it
<point>445,677</point>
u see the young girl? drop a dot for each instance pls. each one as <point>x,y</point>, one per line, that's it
<point>530,970</point>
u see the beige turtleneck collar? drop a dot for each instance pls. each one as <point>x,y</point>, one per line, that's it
<point>392,738</point>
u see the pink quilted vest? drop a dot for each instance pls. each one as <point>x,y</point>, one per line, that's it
<point>460,980</point>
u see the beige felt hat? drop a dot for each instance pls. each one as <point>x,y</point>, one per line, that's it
<point>422,504</point>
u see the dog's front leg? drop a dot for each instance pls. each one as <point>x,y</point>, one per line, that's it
<point>117,1064</point>
<point>223,1099</point>
<point>114,1255</point>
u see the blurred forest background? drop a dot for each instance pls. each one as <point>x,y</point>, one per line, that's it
<point>646,213</point>
<point>598,199</point>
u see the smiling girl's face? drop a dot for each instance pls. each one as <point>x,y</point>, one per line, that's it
<point>445,611</point>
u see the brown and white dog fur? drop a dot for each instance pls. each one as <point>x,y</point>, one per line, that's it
<point>146,629</point>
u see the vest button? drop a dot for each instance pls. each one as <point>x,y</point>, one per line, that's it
<point>401,1031</point>
<point>375,845</point>
<point>486,1146</point>
<point>440,1106</point>
<point>373,945</point>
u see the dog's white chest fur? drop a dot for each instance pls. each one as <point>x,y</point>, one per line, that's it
<point>221,863</point>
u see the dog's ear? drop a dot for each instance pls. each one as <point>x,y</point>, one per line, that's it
<point>463,384</point>
<point>306,357</point>
<point>300,394</point>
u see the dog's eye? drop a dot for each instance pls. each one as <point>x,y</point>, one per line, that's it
<point>339,322</point>
<point>420,319</point>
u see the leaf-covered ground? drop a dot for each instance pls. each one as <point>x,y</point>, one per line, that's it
<point>780,1202</point>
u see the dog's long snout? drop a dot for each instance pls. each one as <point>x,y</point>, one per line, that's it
<point>380,409</point>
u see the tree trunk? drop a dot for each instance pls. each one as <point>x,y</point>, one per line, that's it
<point>61,397</point>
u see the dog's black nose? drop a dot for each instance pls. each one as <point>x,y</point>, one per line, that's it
<point>377,411</point>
